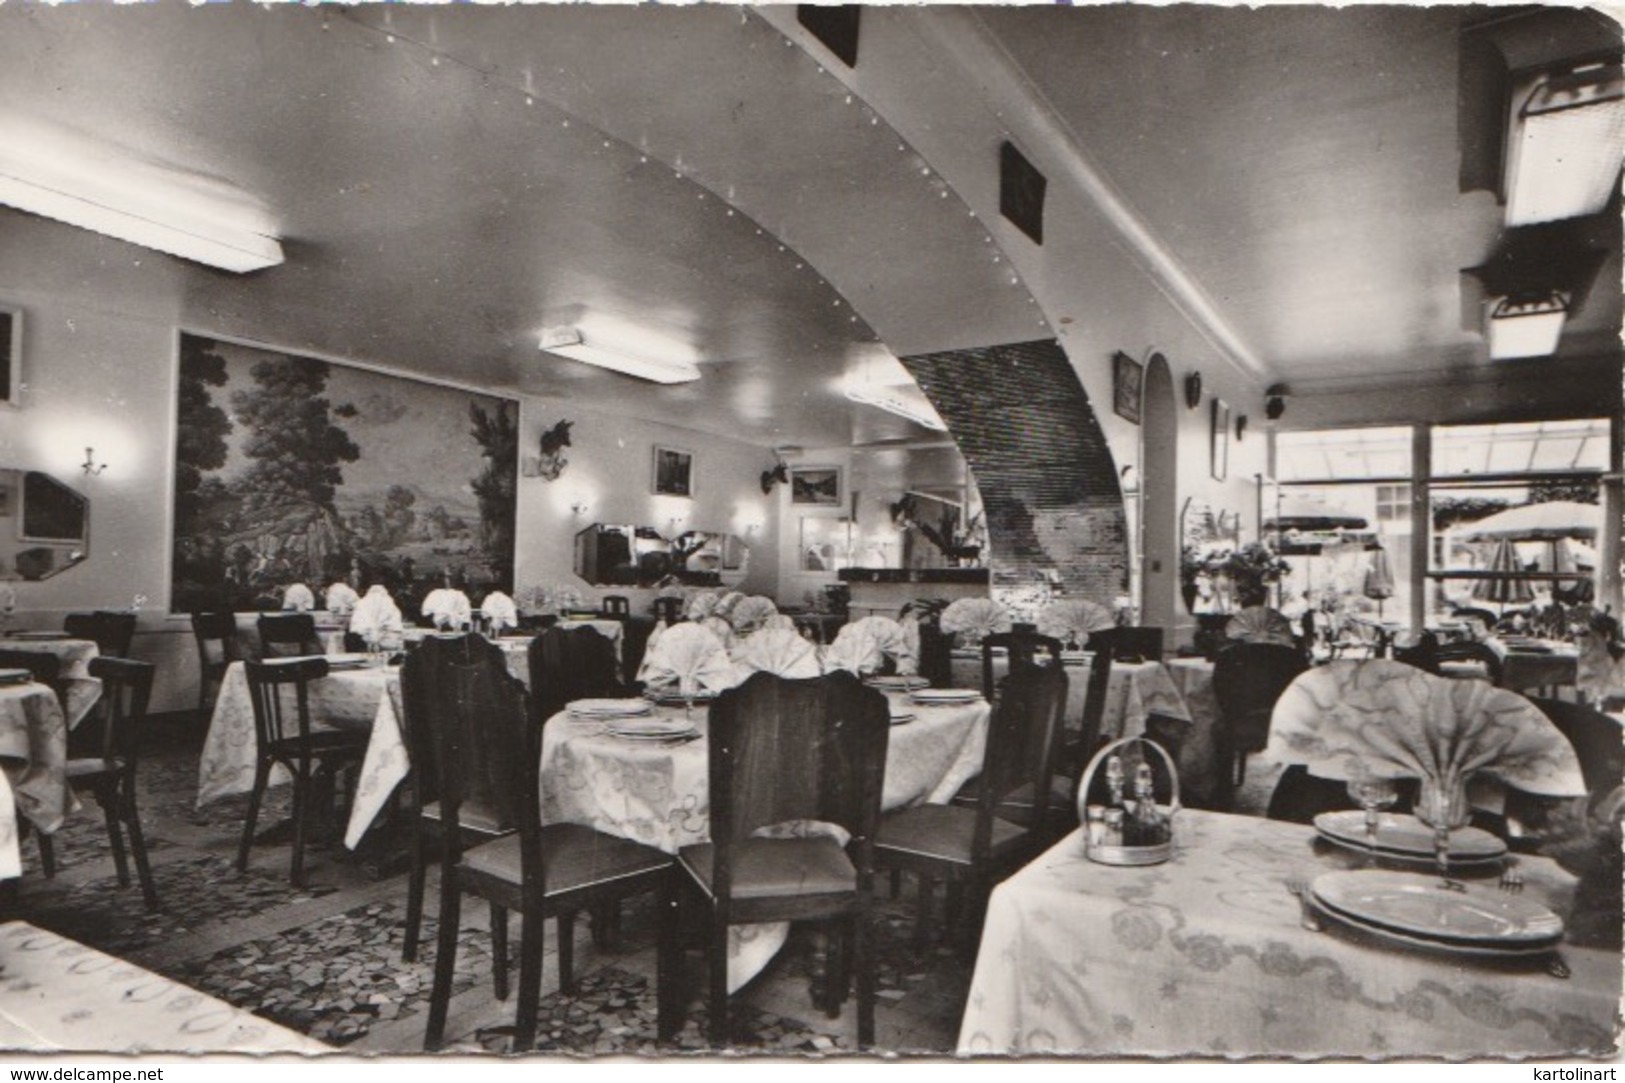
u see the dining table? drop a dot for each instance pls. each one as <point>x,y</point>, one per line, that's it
<point>80,690</point>
<point>1536,665</point>
<point>60,996</point>
<point>1213,954</point>
<point>33,757</point>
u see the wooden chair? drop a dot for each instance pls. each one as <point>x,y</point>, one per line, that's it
<point>1133,643</point>
<point>46,668</point>
<point>571,664</point>
<point>615,606</point>
<point>284,635</point>
<point>785,750</point>
<point>216,637</point>
<point>112,632</point>
<point>485,762</point>
<point>669,610</point>
<point>1247,680</point>
<point>293,743</point>
<point>969,847</point>
<point>1596,741</point>
<point>936,655</point>
<point>110,777</point>
<point>1022,647</point>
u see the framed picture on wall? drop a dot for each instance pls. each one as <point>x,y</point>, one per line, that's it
<point>673,471</point>
<point>818,486</point>
<point>1127,374</point>
<point>11,353</point>
<point>1221,439</point>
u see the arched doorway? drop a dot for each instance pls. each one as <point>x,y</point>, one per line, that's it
<point>1160,604</point>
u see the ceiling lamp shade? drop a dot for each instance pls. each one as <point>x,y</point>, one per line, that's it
<point>1526,326</point>
<point>569,342</point>
<point>118,194</point>
<point>1565,146</point>
<point>886,399</point>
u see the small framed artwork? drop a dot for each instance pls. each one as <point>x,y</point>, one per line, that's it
<point>819,486</point>
<point>1127,374</point>
<point>673,471</point>
<point>11,354</point>
<point>1221,439</point>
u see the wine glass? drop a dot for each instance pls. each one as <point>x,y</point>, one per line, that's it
<point>1373,795</point>
<point>1442,805</point>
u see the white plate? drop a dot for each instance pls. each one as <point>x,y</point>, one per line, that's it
<point>1408,838</point>
<point>1418,905</point>
<point>905,684</point>
<point>340,663</point>
<point>1469,950</point>
<point>928,696</point>
<point>673,698</point>
<point>652,729</point>
<point>610,708</point>
<point>899,719</point>
<point>15,676</point>
<point>41,637</point>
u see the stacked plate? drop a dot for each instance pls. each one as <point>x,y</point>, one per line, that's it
<point>1418,911</point>
<point>347,661</point>
<point>944,697</point>
<point>1405,838</point>
<point>899,715</point>
<point>671,697</point>
<point>610,710</point>
<point>897,683</point>
<point>15,676</point>
<point>40,637</point>
<point>652,729</point>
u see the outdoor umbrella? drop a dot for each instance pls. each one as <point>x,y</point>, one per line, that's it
<point>1301,513</point>
<point>1537,522</point>
<point>1379,578</point>
<point>1505,588</point>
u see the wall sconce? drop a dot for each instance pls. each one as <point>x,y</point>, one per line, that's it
<point>1275,401</point>
<point>90,466</point>
<point>1193,390</point>
<point>1241,427</point>
<point>579,506</point>
<point>779,475</point>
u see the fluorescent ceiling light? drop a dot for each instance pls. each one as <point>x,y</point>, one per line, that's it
<point>1526,327</point>
<point>568,342</point>
<point>1565,146</point>
<point>115,193</point>
<point>892,403</point>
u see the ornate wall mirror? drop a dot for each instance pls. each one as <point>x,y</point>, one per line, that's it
<point>616,554</point>
<point>44,525</point>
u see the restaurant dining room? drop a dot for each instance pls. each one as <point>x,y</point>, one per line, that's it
<point>811,531</point>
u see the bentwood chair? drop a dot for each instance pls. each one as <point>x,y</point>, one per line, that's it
<point>284,635</point>
<point>285,735</point>
<point>112,632</point>
<point>971,848</point>
<point>785,751</point>
<point>216,637</point>
<point>1247,680</point>
<point>474,740</point>
<point>111,777</point>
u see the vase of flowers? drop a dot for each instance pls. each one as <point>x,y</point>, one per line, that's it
<point>1222,581</point>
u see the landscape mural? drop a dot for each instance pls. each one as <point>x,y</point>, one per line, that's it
<point>291,470</point>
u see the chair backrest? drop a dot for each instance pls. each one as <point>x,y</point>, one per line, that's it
<point>469,736</point>
<point>1023,748</point>
<point>669,610</point>
<point>784,750</point>
<point>615,605</point>
<point>112,632</point>
<point>1247,680</point>
<point>126,691</point>
<point>1469,651</point>
<point>286,634</point>
<point>936,654</point>
<point>216,635</point>
<point>1596,739</point>
<point>46,668</point>
<point>1022,647</point>
<point>1094,699</point>
<point>268,683</point>
<point>570,664</point>
<point>1423,654</point>
<point>1137,643</point>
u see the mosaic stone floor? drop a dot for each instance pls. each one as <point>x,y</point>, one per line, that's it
<point>325,959</point>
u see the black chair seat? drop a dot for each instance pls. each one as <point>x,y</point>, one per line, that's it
<point>475,816</point>
<point>943,833</point>
<point>776,868</point>
<point>320,741</point>
<point>1019,807</point>
<point>577,858</point>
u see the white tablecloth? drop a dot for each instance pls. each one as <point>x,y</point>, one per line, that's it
<point>33,752</point>
<point>79,687</point>
<point>57,995</point>
<point>1134,691</point>
<point>1205,955</point>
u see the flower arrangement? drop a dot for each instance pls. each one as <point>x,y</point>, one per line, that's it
<point>567,600</point>
<point>1221,580</point>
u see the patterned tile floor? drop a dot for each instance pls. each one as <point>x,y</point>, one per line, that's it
<point>325,959</point>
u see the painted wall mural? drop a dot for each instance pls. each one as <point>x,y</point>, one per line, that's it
<point>293,470</point>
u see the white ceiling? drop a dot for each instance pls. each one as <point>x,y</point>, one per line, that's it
<point>448,181</point>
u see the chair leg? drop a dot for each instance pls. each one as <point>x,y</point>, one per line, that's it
<point>262,775</point>
<point>499,951</point>
<point>115,835</point>
<point>301,813</point>
<point>531,927</point>
<point>138,850</point>
<point>47,854</point>
<point>415,877</point>
<point>567,952</point>
<point>716,964</point>
<point>863,962</point>
<point>896,882</point>
<point>445,960</point>
<point>668,963</point>
<point>922,917</point>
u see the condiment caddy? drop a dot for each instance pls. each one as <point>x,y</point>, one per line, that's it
<point>1131,828</point>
